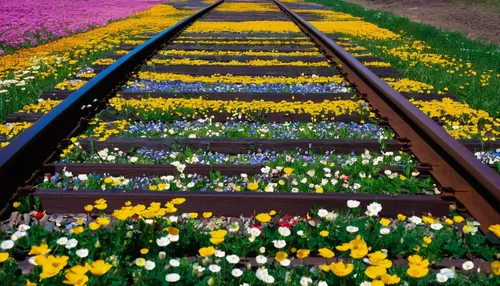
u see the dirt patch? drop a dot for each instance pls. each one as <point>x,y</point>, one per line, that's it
<point>474,19</point>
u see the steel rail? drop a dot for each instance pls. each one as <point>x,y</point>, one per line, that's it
<point>25,155</point>
<point>455,168</point>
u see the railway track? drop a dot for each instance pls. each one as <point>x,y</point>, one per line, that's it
<point>348,91</point>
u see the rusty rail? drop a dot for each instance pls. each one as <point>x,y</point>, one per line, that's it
<point>455,168</point>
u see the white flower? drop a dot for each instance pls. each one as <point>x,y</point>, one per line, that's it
<point>262,249</point>
<point>284,231</point>
<point>82,253</point>
<point>83,177</point>
<point>322,212</point>
<point>214,268</point>
<point>436,226</point>
<point>17,235</point>
<point>366,283</point>
<point>352,229</point>
<point>149,265</point>
<point>448,272</point>
<point>306,281</point>
<point>373,209</point>
<point>173,238</point>
<point>265,169</point>
<point>162,241</point>
<point>300,233</point>
<point>385,230</point>
<point>236,272</point>
<point>285,262</point>
<point>220,253</point>
<point>31,260</point>
<point>311,173</point>
<point>23,227</point>
<point>254,231</point>
<point>162,255</point>
<point>7,244</point>
<point>440,277</point>
<point>468,265</point>
<point>62,241</point>
<point>322,283</point>
<point>415,220</point>
<point>174,263</point>
<point>233,259</point>
<point>172,277</point>
<point>279,243</point>
<point>72,243</point>
<point>133,159</point>
<point>261,259</point>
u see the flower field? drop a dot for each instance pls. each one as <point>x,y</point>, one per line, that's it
<point>29,23</point>
<point>238,154</point>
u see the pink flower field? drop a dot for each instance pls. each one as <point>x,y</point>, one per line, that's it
<point>30,22</point>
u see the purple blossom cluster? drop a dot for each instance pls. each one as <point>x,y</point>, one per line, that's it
<point>179,86</point>
<point>31,22</point>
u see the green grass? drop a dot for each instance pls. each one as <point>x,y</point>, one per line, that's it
<point>483,57</point>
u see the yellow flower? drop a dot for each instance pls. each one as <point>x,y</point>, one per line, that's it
<point>103,221</point>
<point>378,258</point>
<point>428,219</point>
<point>173,230</point>
<point>144,251</point>
<point>344,247</point>
<point>458,219</point>
<point>280,256</point>
<point>75,279</point>
<point>340,269</point>
<point>272,212</point>
<point>206,251</point>
<point>375,272</point>
<point>218,236</point>
<point>448,221</point>
<point>390,279</point>
<point>418,261</point>
<point>495,229</point>
<point>79,269</point>
<point>303,253</point>
<point>29,283</point>
<point>495,268</point>
<point>417,272</point>
<point>401,217</point>
<point>207,214</point>
<point>140,262</point>
<point>16,204</point>
<point>263,217</point>
<point>99,267</point>
<point>40,250</point>
<point>89,208</point>
<point>101,207</point>
<point>288,171</point>
<point>325,267</point>
<point>94,226</point>
<point>108,180</point>
<point>324,233</point>
<point>326,253</point>
<point>77,230</point>
<point>51,265</point>
<point>359,249</point>
<point>79,221</point>
<point>253,186</point>
<point>193,215</point>
<point>384,222</point>
<point>178,201</point>
<point>4,256</point>
<point>427,240</point>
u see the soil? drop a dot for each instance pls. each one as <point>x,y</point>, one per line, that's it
<point>474,19</point>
